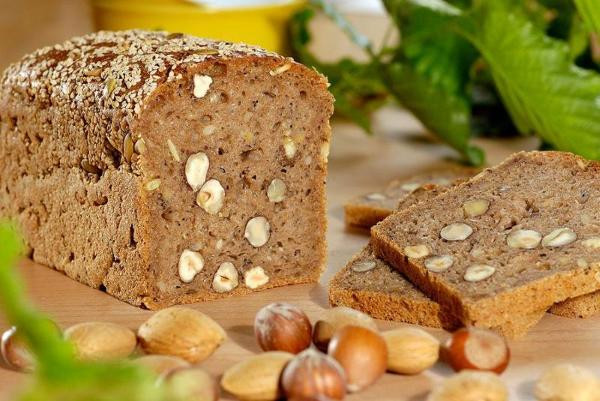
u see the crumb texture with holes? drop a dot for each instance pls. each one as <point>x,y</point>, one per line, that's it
<point>165,168</point>
<point>519,237</point>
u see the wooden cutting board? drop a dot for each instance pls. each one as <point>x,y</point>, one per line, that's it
<point>358,164</point>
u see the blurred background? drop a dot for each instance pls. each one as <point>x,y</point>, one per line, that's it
<point>26,25</point>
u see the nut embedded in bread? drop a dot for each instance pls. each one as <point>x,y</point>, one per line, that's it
<point>139,162</point>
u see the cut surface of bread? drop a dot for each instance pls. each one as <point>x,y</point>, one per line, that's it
<point>164,168</point>
<point>370,285</point>
<point>515,239</point>
<point>369,209</point>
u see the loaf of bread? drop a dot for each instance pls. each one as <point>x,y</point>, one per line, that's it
<point>369,209</point>
<point>514,239</point>
<point>370,285</point>
<point>164,168</point>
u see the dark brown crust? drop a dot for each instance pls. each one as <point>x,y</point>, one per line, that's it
<point>494,309</point>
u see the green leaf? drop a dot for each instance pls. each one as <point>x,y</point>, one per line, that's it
<point>431,48</point>
<point>357,87</point>
<point>59,376</point>
<point>430,73</point>
<point>544,91</point>
<point>444,114</point>
<point>51,351</point>
<point>589,10</point>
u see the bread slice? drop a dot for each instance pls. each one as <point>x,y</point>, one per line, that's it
<point>165,168</point>
<point>369,209</point>
<point>490,280</point>
<point>583,306</point>
<point>370,285</point>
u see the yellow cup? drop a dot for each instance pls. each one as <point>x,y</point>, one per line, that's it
<point>265,25</point>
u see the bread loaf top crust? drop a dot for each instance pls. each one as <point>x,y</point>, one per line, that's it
<point>114,70</point>
<point>96,86</point>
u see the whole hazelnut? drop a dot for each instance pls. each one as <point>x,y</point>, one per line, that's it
<point>477,349</point>
<point>312,374</point>
<point>15,352</point>
<point>362,353</point>
<point>282,327</point>
<point>322,333</point>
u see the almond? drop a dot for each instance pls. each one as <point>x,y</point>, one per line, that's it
<point>182,332</point>
<point>257,377</point>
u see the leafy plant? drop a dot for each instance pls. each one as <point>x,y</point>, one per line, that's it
<point>463,66</point>
<point>58,375</point>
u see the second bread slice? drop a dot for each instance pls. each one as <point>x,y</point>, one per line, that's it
<point>370,285</point>
<point>513,240</point>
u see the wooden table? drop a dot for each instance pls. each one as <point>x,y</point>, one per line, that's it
<point>358,164</point>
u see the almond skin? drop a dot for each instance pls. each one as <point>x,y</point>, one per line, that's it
<point>183,332</point>
<point>161,365</point>
<point>100,341</point>
<point>257,378</point>
<point>15,351</point>
<point>410,350</point>
<point>192,384</point>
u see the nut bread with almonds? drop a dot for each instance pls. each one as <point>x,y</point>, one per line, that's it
<point>370,285</point>
<point>369,209</point>
<point>516,238</point>
<point>165,168</point>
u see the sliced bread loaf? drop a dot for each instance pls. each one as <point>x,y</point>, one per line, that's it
<point>370,285</point>
<point>513,240</point>
<point>165,168</point>
<point>369,209</point>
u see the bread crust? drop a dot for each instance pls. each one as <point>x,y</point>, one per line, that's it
<point>583,306</point>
